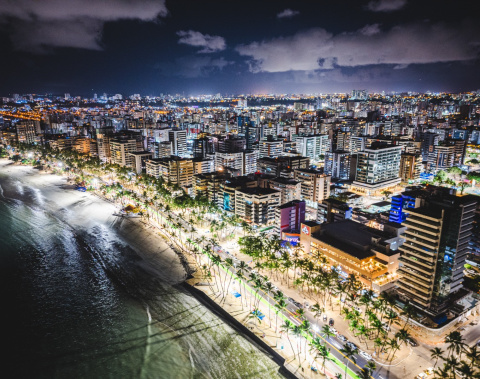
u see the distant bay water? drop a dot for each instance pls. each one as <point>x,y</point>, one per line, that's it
<point>85,297</point>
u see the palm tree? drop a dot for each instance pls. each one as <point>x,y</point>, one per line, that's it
<point>306,329</point>
<point>327,331</point>
<point>393,344</point>
<point>436,354</point>
<point>324,354</point>
<point>297,331</point>
<point>364,373</point>
<point>452,363</point>
<point>349,354</point>
<point>465,370</point>
<point>317,311</point>
<point>473,354</point>
<point>228,264</point>
<point>456,344</point>
<point>268,287</point>
<point>403,336</point>
<point>408,311</point>
<point>300,313</point>
<point>280,306</point>
<point>287,327</point>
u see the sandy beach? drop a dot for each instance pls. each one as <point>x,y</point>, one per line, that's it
<point>176,334</point>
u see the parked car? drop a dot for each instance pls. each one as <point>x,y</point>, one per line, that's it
<point>412,342</point>
<point>331,322</point>
<point>324,317</point>
<point>358,309</point>
<point>386,326</point>
<point>306,305</point>
<point>365,355</point>
<point>333,330</point>
<point>342,338</point>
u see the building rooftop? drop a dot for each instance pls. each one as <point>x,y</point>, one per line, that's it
<point>141,153</point>
<point>258,191</point>
<point>291,204</point>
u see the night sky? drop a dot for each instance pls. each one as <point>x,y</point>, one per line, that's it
<point>232,47</point>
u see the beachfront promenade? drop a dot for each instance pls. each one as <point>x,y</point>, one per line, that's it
<point>224,287</point>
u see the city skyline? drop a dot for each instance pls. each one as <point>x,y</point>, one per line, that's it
<point>154,47</point>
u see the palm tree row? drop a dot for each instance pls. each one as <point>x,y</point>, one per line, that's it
<point>459,360</point>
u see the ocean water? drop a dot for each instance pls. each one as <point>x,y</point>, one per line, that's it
<point>88,295</point>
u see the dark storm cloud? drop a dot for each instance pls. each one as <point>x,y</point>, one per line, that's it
<point>401,45</point>
<point>386,5</point>
<point>209,44</point>
<point>35,24</point>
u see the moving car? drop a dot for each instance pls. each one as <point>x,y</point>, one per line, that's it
<point>331,322</point>
<point>324,317</point>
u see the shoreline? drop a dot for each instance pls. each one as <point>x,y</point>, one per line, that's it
<point>184,260</point>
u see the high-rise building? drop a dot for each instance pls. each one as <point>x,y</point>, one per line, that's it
<point>312,146</point>
<point>202,147</point>
<point>377,169</point>
<point>26,131</point>
<point>229,160</point>
<point>290,189</point>
<point>315,185</point>
<point>338,165</point>
<point>120,149</point>
<point>270,147</point>
<point>436,245</point>
<point>178,138</point>
<point>163,149</point>
<point>250,161</point>
<point>257,205</point>
<point>410,167</point>
<point>176,170</point>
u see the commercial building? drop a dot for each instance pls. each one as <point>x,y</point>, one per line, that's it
<point>288,220</point>
<point>370,254</point>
